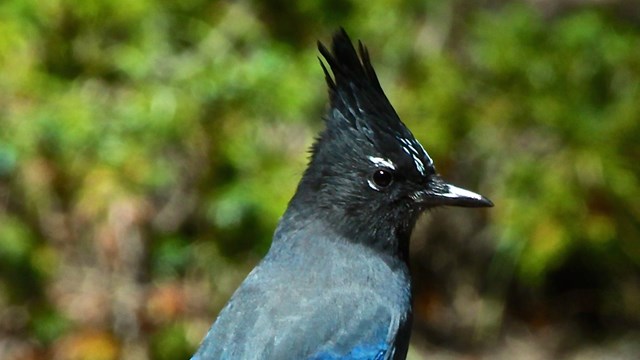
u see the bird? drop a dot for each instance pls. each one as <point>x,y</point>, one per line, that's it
<point>335,282</point>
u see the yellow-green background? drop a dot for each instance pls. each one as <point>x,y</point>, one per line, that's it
<point>148,148</point>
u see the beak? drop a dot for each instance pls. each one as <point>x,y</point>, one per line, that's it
<point>440,193</point>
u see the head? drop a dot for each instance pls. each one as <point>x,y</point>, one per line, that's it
<point>368,175</point>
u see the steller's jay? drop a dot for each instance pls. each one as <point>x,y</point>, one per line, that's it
<point>335,283</point>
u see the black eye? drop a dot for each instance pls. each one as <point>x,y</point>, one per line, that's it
<point>382,178</point>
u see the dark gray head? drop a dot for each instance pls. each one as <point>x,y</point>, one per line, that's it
<point>368,176</point>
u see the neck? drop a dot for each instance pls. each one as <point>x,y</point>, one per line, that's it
<point>313,236</point>
<point>333,223</point>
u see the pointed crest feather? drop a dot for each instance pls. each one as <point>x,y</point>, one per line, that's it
<point>354,89</point>
<point>360,115</point>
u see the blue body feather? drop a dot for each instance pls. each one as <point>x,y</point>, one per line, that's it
<point>335,283</point>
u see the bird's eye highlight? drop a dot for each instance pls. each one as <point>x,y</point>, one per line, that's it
<point>382,178</point>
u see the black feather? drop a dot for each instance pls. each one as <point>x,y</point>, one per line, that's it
<point>335,282</point>
<point>354,90</point>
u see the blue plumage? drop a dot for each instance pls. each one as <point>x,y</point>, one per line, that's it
<point>306,300</point>
<point>335,283</point>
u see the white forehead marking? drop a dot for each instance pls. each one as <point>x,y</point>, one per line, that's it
<point>419,165</point>
<point>426,154</point>
<point>456,192</point>
<point>409,148</point>
<point>382,162</point>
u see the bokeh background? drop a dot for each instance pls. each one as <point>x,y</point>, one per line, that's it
<point>148,148</point>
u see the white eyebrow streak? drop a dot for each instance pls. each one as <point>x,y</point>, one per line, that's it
<point>382,162</point>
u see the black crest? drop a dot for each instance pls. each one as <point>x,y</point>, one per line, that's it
<point>354,91</point>
<point>360,109</point>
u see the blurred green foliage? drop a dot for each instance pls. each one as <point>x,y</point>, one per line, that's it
<point>564,97</point>
<point>148,148</point>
